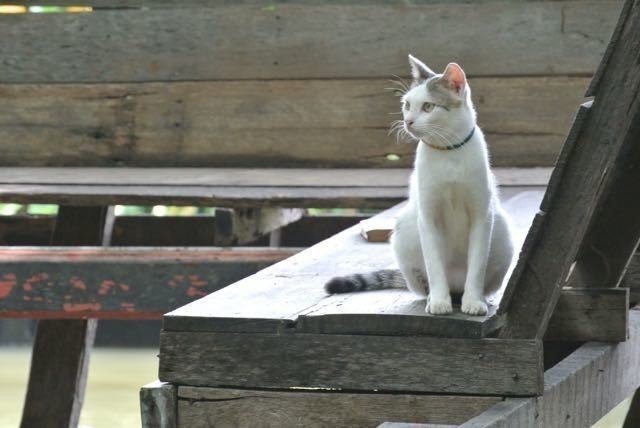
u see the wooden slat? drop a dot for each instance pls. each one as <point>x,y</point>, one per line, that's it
<point>200,407</point>
<point>119,283</point>
<point>576,188</point>
<point>293,292</point>
<point>362,363</point>
<point>60,357</point>
<point>597,314</point>
<point>226,187</point>
<point>339,123</point>
<point>158,405</point>
<point>578,391</point>
<point>245,177</point>
<point>304,41</point>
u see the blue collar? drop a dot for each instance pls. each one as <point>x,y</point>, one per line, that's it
<point>454,146</point>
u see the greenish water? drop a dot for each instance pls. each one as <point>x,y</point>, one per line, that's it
<point>111,400</point>
<point>115,377</point>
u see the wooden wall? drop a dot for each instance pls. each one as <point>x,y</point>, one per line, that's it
<point>284,83</point>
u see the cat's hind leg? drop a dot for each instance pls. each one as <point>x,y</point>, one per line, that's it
<point>408,252</point>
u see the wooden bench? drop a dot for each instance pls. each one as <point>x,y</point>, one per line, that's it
<point>275,350</point>
<point>170,103</point>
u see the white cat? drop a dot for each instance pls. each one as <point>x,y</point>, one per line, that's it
<point>453,236</point>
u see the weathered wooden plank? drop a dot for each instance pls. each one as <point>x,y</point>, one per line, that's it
<point>60,357</point>
<point>213,187</point>
<point>203,407</point>
<point>119,283</point>
<point>240,226</point>
<point>590,315</point>
<point>304,41</point>
<point>297,287</point>
<point>241,123</point>
<point>513,412</point>
<point>249,177</point>
<point>158,405</point>
<point>362,363</point>
<point>577,188</point>
<point>579,390</point>
<point>241,197</point>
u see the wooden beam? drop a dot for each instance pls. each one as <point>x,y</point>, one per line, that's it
<point>117,282</point>
<point>250,188</point>
<point>335,124</point>
<point>158,405</point>
<point>590,314</point>
<point>577,188</point>
<point>308,408</point>
<point>351,362</point>
<point>60,357</point>
<point>285,42</point>
<point>241,226</point>
<point>579,390</point>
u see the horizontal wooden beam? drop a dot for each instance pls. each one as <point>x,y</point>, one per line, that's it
<point>117,282</point>
<point>351,362</point>
<point>590,314</point>
<point>233,187</point>
<point>241,407</point>
<point>337,123</point>
<point>234,41</point>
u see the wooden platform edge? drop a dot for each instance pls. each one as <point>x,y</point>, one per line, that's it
<point>158,405</point>
<point>273,409</point>
<point>579,390</point>
<point>347,362</point>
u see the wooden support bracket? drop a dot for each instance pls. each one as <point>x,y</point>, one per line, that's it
<point>240,226</point>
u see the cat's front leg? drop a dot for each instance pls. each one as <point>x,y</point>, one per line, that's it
<point>439,299</point>
<point>473,301</point>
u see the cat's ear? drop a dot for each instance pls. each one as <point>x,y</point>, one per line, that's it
<point>454,79</point>
<point>419,71</point>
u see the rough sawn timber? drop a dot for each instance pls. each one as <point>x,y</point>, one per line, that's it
<point>303,41</point>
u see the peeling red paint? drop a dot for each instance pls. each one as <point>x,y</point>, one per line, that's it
<point>128,307</point>
<point>27,286</point>
<point>26,298</point>
<point>77,307</point>
<point>105,287</point>
<point>7,285</point>
<point>173,284</point>
<point>78,284</point>
<point>194,292</point>
<point>38,299</point>
<point>124,287</point>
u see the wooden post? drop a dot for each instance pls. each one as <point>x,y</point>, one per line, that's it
<point>598,165</point>
<point>60,356</point>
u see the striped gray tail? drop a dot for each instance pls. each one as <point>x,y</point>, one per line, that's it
<point>378,280</point>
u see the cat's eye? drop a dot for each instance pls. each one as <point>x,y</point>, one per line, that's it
<point>407,106</point>
<point>427,107</point>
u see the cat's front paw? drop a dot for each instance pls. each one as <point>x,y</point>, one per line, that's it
<point>439,306</point>
<point>474,307</point>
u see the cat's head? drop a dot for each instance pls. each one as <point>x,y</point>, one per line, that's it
<point>437,107</point>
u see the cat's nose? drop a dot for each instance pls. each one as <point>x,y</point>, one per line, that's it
<point>409,122</point>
